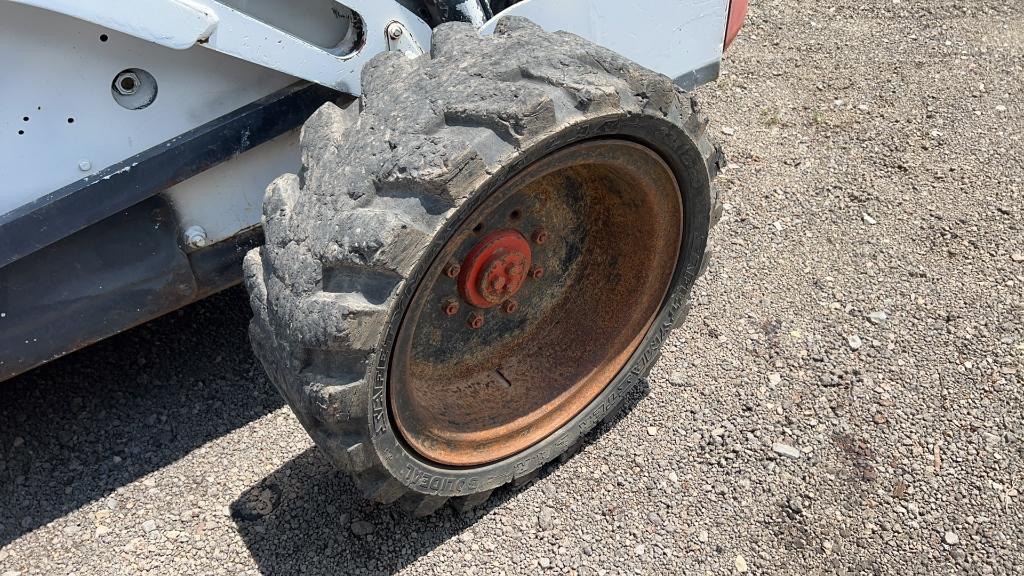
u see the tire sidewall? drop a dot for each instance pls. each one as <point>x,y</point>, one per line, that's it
<point>679,150</point>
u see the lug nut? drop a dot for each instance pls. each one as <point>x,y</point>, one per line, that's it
<point>395,30</point>
<point>126,83</point>
<point>511,306</point>
<point>476,321</point>
<point>536,272</point>
<point>450,306</point>
<point>540,236</point>
<point>451,270</point>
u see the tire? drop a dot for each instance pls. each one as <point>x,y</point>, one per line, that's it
<point>384,184</point>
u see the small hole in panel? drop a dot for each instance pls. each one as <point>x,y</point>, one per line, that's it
<point>71,120</point>
<point>24,118</point>
<point>103,37</point>
<point>20,132</point>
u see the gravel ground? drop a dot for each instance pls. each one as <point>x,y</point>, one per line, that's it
<point>846,397</point>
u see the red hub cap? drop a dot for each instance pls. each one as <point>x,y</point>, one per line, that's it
<point>495,268</point>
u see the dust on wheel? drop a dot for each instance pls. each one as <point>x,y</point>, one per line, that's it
<point>577,248</point>
<point>481,259</point>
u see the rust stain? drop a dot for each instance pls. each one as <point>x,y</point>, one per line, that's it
<point>587,240</point>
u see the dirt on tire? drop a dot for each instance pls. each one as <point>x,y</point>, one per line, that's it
<point>384,181</point>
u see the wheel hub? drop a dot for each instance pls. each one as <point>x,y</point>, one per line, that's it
<point>494,270</point>
<point>538,299</point>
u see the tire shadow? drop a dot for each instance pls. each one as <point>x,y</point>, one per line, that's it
<point>78,428</point>
<point>304,517</point>
<point>308,518</point>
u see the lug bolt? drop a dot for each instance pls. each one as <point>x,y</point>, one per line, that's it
<point>540,236</point>
<point>450,306</point>
<point>451,270</point>
<point>476,321</point>
<point>536,272</point>
<point>511,306</point>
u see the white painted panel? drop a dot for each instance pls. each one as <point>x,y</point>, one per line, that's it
<point>57,68</point>
<point>673,37</point>
<point>254,37</point>
<point>175,24</point>
<point>228,198</point>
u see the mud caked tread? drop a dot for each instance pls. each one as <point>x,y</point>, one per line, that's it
<point>381,181</point>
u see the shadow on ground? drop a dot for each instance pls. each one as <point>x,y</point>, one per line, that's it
<point>80,427</point>
<point>299,519</point>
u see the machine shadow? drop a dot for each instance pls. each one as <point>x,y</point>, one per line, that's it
<point>75,430</point>
<point>300,519</point>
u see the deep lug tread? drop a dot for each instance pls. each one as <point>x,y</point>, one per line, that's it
<point>380,487</point>
<point>420,505</point>
<point>467,503</point>
<point>381,177</point>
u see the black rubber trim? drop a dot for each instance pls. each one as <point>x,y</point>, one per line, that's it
<point>94,198</point>
<point>110,276</point>
<point>50,302</point>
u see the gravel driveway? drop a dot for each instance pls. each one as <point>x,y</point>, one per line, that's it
<point>846,397</point>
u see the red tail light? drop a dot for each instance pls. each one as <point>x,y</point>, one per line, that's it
<point>737,14</point>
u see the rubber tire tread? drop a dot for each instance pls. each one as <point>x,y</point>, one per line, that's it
<point>380,180</point>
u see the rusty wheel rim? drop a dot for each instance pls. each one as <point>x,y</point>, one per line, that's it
<point>536,302</point>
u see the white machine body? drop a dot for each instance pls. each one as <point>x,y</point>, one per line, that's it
<point>61,120</point>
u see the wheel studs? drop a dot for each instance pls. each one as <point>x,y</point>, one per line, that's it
<point>450,306</point>
<point>491,273</point>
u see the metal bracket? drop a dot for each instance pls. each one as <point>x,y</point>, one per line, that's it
<point>181,24</point>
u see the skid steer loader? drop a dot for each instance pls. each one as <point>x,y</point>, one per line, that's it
<point>491,212</point>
